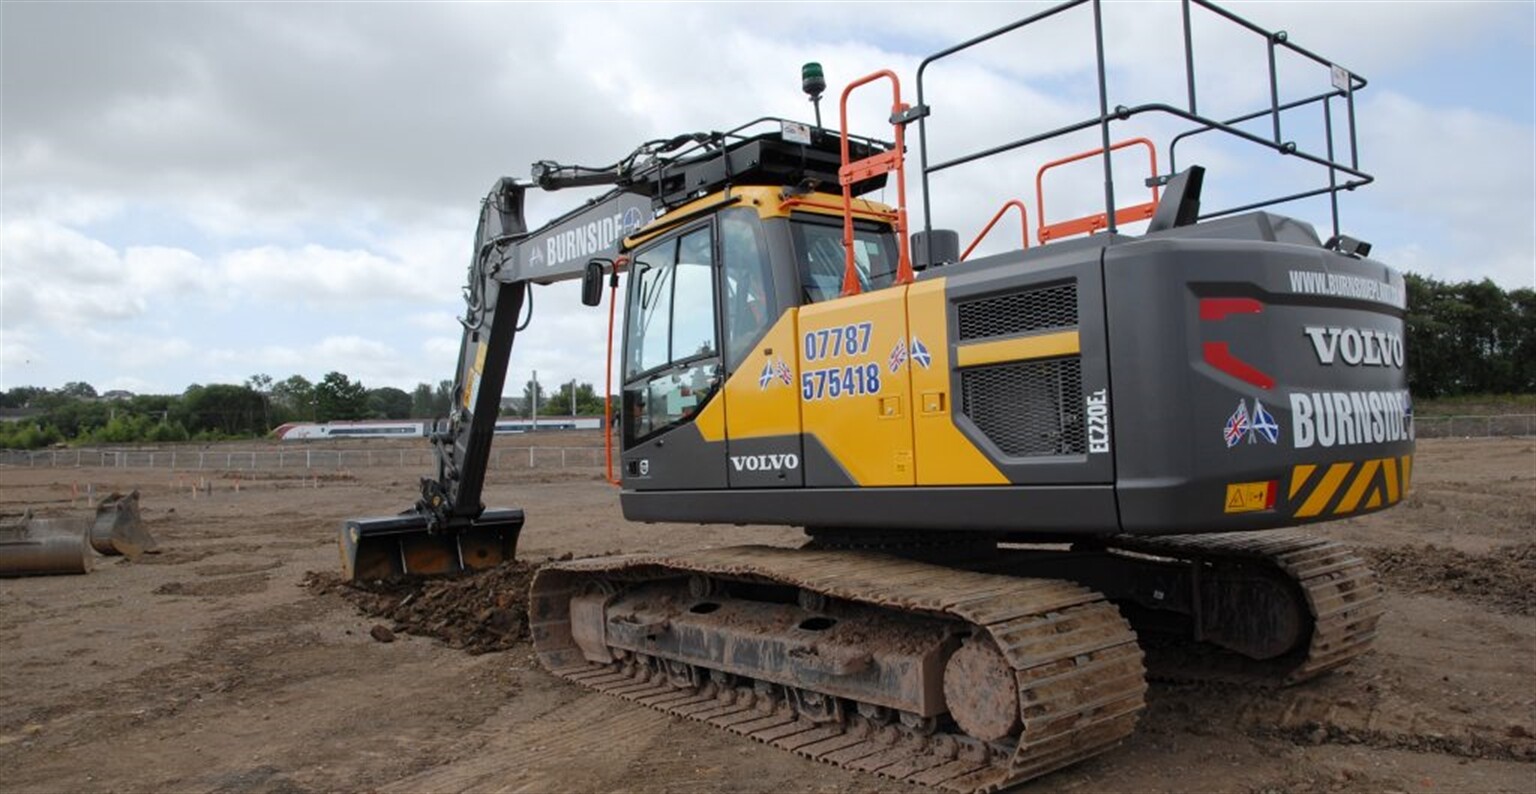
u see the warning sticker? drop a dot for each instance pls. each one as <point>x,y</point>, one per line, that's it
<point>1250,497</point>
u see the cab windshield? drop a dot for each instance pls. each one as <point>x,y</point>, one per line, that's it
<point>818,247</point>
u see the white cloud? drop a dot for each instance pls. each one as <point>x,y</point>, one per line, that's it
<point>1456,174</point>
<point>441,348</point>
<point>315,275</point>
<point>311,174</point>
<point>18,352</point>
<point>56,277</point>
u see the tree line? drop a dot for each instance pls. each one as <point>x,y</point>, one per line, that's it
<point>1463,338</point>
<point>76,413</point>
<point>1470,338</point>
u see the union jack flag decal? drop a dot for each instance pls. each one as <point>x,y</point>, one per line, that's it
<point>781,371</point>
<point>773,370</point>
<point>1237,425</point>
<point>898,355</point>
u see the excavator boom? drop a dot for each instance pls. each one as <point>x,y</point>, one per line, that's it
<point>448,529</point>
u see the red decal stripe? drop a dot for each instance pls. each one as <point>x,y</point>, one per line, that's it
<point>1219,308</point>
<point>1219,356</point>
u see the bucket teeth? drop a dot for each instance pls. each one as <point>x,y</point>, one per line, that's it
<point>406,545</point>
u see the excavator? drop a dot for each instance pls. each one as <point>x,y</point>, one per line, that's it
<point>1027,480</point>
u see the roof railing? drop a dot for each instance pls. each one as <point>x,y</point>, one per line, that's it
<point>1342,174</point>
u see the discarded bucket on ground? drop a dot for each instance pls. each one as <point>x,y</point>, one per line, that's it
<point>119,530</point>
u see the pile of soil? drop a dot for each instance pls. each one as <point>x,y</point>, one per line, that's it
<point>1504,578</point>
<point>479,612</point>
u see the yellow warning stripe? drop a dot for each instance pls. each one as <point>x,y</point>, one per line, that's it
<point>1061,343</point>
<point>1366,486</point>
<point>1391,470</point>
<point>1357,488</point>
<point>1299,476</point>
<point>1323,494</point>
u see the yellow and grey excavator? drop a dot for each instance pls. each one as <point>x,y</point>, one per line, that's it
<point>1010,468</point>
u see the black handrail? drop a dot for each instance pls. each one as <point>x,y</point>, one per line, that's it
<point>1275,40</point>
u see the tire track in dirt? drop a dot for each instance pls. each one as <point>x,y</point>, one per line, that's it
<point>1503,578</point>
<point>523,753</point>
<point>1306,717</point>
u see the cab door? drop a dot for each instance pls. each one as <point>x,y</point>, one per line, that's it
<point>855,393</point>
<point>762,403</point>
<point>672,365</point>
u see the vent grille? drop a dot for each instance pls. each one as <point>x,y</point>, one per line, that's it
<point>1028,409</point>
<point>1019,312</point>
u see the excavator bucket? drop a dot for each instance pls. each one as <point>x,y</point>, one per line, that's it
<point>405,545</point>
<point>118,529</point>
<point>39,546</point>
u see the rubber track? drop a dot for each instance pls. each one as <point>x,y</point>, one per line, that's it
<point>1076,662</point>
<point>1342,593</point>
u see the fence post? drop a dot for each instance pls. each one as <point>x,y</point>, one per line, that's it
<point>530,457</point>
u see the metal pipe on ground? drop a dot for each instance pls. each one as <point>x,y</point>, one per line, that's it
<point>39,546</point>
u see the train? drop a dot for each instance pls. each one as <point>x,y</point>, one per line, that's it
<point>419,428</point>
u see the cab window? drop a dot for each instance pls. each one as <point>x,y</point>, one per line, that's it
<point>672,366</point>
<point>749,305</point>
<point>818,245</point>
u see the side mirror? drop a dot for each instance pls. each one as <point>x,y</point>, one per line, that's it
<point>592,284</point>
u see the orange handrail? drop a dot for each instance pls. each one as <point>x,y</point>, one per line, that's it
<point>1023,225</point>
<point>875,165</point>
<point>613,304</point>
<point>1097,221</point>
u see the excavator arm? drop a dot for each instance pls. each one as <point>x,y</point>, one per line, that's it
<point>449,529</point>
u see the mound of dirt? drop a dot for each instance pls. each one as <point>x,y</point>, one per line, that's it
<point>1504,578</point>
<point>478,612</point>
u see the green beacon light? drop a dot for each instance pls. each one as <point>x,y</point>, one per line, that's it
<point>813,83</point>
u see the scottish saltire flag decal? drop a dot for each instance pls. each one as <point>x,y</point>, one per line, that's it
<point>775,370</point>
<point>1264,424</point>
<point>1237,425</point>
<point>920,353</point>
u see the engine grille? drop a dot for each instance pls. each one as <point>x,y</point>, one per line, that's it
<point>1019,312</point>
<point>1030,408</point>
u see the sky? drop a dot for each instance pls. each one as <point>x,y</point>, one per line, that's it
<point>201,192</point>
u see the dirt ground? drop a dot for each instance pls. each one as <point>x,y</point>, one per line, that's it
<point>212,667</point>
